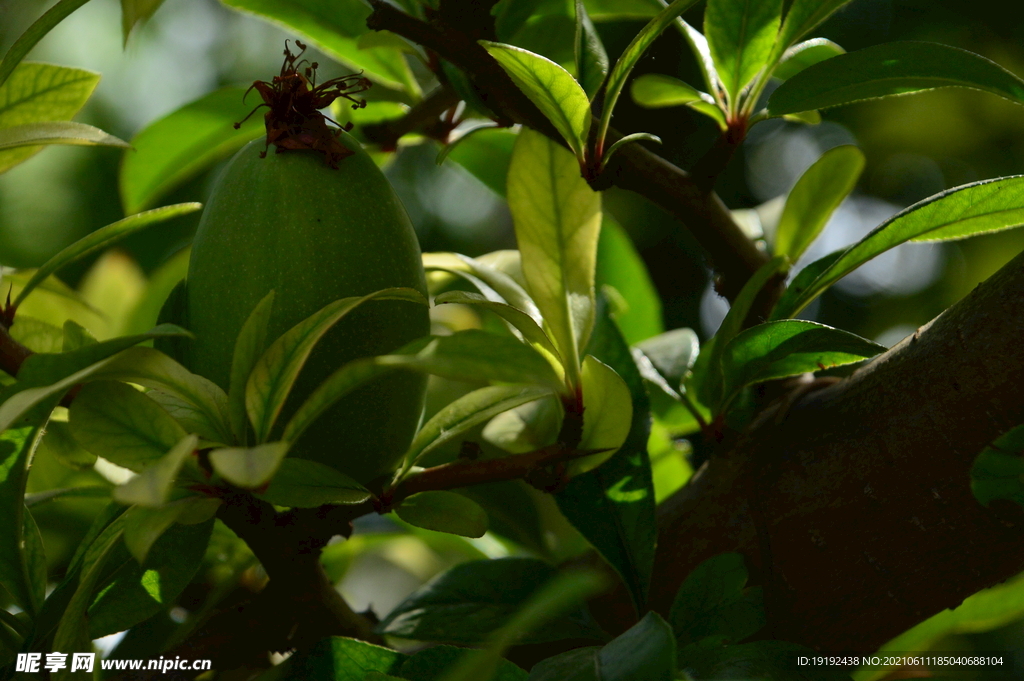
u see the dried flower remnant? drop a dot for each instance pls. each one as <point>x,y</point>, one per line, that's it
<point>294,100</point>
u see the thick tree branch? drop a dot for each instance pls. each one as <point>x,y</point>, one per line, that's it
<point>635,168</point>
<point>854,506</point>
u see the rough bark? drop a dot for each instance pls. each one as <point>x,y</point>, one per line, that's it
<point>854,506</point>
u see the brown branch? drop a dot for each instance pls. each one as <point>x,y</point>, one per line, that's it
<point>634,168</point>
<point>854,506</point>
<point>423,116</point>
<point>12,353</point>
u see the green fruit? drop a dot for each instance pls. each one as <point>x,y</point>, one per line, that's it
<point>289,223</point>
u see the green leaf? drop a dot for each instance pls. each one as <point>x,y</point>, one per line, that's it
<point>152,486</point>
<point>672,354</point>
<point>37,93</point>
<point>338,385</point>
<point>427,665</point>
<point>657,91</point>
<point>75,336</point>
<point>528,427</point>
<point>807,53</point>
<point>713,601</point>
<point>474,355</point>
<point>522,322</point>
<point>27,40</point>
<point>119,423</point>
<point>469,602</point>
<point>556,597</point>
<point>613,505</point>
<point>249,346</point>
<point>553,89</point>
<point>135,12</point>
<point>144,525</point>
<point>179,146</point>
<point>607,416</point>
<point>645,652</point>
<point>161,282</point>
<point>341,659</point>
<point>300,483</point>
<point>891,69</point>
<point>998,471</point>
<point>56,132</point>
<point>89,492</point>
<point>16,448</point>
<point>62,446</point>
<point>486,155</point>
<point>557,220</point>
<point>130,593</point>
<point>36,335</point>
<point>817,193</point>
<point>73,631</point>
<point>444,512</point>
<point>978,208</point>
<point>103,238</point>
<point>276,371</point>
<point>335,26</point>
<point>621,267</point>
<point>512,512</point>
<point>197,403</point>
<point>985,611</point>
<point>741,34</point>
<point>490,281</point>
<point>581,664</point>
<point>630,56</point>
<point>802,18</point>
<point>249,467</point>
<point>466,412</point>
<point>789,348</point>
<point>588,50</point>
<point>707,370</point>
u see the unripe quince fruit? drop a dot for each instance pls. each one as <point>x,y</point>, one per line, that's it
<point>313,234</point>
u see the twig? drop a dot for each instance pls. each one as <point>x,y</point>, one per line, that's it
<point>423,116</point>
<point>634,168</point>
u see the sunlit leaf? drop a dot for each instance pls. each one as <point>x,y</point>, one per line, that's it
<point>803,17</point>
<point>143,526</point>
<point>37,93</point>
<point>469,410</point>
<point>39,28</point>
<point>741,34</point>
<point>978,208</point>
<point>121,424</point>
<point>335,27</point>
<point>103,238</point>
<point>891,69</point>
<point>557,220</point>
<point>474,355</point>
<point>656,91</point>
<point>172,149</point>
<point>277,369</point>
<point>152,486</point>
<point>817,194</point>
<point>56,132</point>
<point>672,354</point>
<point>299,483</point>
<point>522,322</point>
<point>807,53</point>
<point>631,55</point>
<point>443,511</point>
<point>607,416</point>
<point>553,89</point>
<point>249,467</point>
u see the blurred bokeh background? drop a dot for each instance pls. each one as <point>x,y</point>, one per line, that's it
<point>915,146</point>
